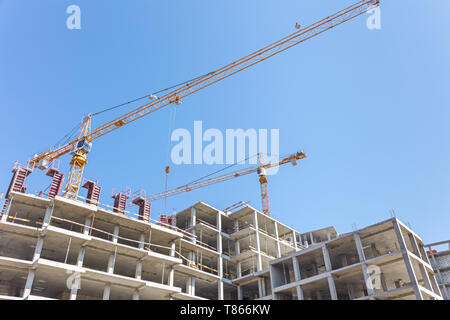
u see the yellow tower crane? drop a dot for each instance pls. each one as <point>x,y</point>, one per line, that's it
<point>81,146</point>
<point>260,169</point>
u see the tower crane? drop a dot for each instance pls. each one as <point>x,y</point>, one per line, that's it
<point>260,169</point>
<point>81,146</point>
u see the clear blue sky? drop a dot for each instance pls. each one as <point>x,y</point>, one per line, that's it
<point>370,108</point>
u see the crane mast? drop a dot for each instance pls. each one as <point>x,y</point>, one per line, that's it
<point>81,146</point>
<point>79,160</point>
<point>263,185</point>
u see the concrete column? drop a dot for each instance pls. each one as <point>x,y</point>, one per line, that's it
<point>277,248</point>
<point>367,281</point>
<point>257,244</point>
<point>299,293</point>
<point>312,238</point>
<point>236,225</point>
<point>116,234</point>
<point>172,249</point>
<point>255,220</point>
<point>38,249</point>
<point>408,264</point>
<point>220,290</point>
<point>263,286</point>
<point>219,259</point>
<point>190,286</point>
<point>29,283</point>
<point>350,291</point>
<point>106,292</point>
<point>87,225</point>
<point>258,250</point>
<point>136,295</point>
<point>76,282</point>
<point>415,246</point>
<point>193,217</point>
<point>383,282</point>
<point>171,276</point>
<point>193,222</point>
<point>294,240</point>
<point>326,258</point>
<point>192,258</point>
<point>426,279</point>
<point>219,221</point>
<point>424,255</point>
<point>111,263</point>
<point>296,267</point>
<point>359,247</point>
<point>332,288</point>
<point>150,239</point>
<point>328,235</point>
<point>138,273</point>
<point>47,216</point>
<point>80,257</point>
<point>237,247</point>
<point>260,288</point>
<point>73,293</point>
<point>142,241</point>
<point>305,240</point>
<point>240,295</point>
<point>238,270</point>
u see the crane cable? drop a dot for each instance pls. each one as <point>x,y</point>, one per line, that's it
<point>172,118</point>
<point>152,94</point>
<point>227,167</point>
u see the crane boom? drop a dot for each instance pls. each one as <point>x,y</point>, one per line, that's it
<point>176,95</point>
<point>225,177</point>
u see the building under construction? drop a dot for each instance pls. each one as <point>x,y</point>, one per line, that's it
<point>73,247</point>
<point>59,248</point>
